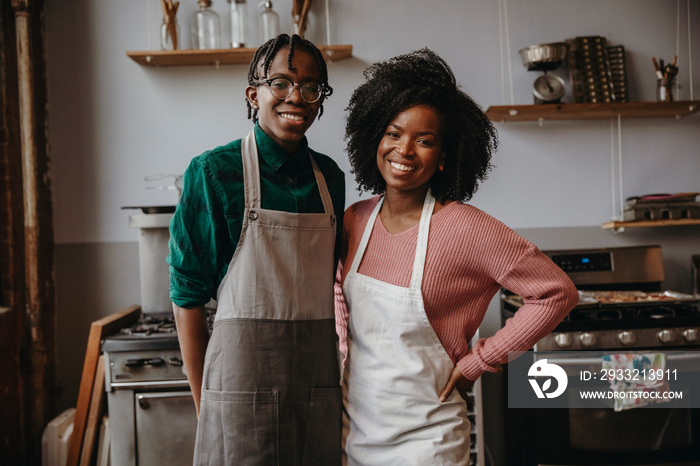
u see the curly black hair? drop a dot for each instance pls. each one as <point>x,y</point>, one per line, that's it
<point>267,52</point>
<point>402,82</point>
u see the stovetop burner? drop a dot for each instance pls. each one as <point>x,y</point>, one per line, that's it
<point>607,318</point>
<point>621,303</point>
<point>657,313</point>
<point>151,331</point>
<point>607,314</point>
<point>148,325</point>
<point>618,326</point>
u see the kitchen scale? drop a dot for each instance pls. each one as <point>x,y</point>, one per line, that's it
<point>547,88</point>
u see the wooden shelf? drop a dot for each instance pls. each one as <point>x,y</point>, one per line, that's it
<point>218,57</point>
<point>619,226</point>
<point>503,113</point>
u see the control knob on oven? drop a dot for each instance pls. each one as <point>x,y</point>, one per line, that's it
<point>587,339</point>
<point>626,337</point>
<point>563,340</point>
<point>175,362</point>
<point>666,335</point>
<point>690,335</point>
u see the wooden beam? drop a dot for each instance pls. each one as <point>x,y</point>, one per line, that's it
<point>94,414</point>
<point>98,331</point>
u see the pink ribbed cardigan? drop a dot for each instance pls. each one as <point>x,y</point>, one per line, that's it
<point>470,256</point>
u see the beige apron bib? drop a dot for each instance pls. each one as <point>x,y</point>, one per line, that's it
<point>395,370</point>
<point>270,393</point>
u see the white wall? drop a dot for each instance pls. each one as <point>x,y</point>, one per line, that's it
<point>113,122</point>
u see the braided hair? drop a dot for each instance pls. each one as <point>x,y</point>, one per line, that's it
<point>420,77</point>
<point>267,52</point>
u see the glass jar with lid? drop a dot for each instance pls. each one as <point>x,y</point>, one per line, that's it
<point>269,22</point>
<point>206,27</point>
<point>238,16</point>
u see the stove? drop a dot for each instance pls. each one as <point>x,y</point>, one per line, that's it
<point>151,411</point>
<point>621,305</point>
<point>622,310</point>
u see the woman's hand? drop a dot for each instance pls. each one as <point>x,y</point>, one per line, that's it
<point>458,380</point>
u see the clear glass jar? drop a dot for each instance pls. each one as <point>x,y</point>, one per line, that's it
<point>664,90</point>
<point>206,27</point>
<point>238,15</point>
<point>166,39</point>
<point>269,22</point>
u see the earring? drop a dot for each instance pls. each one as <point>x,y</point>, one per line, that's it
<point>441,167</point>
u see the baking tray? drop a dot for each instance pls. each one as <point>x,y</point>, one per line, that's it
<point>598,299</point>
<point>666,200</point>
<point>589,70</point>
<point>638,298</point>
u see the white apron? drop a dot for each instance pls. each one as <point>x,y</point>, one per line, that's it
<point>395,370</point>
<point>270,392</point>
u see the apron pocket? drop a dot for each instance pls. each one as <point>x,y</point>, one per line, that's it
<point>240,428</point>
<point>323,427</point>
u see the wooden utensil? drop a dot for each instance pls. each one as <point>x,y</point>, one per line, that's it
<point>169,12</point>
<point>300,12</point>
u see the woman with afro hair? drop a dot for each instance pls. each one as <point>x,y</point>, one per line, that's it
<point>420,266</point>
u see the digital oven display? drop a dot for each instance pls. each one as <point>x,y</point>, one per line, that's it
<point>594,262</point>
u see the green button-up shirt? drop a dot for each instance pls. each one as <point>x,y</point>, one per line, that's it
<point>207,223</point>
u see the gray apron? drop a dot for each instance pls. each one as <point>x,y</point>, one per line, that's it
<point>270,390</point>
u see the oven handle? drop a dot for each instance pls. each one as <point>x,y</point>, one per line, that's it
<point>574,361</point>
<point>143,398</point>
<point>156,384</point>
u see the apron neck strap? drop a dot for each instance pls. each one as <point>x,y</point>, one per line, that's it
<point>322,187</point>
<point>421,244</point>
<point>251,175</point>
<point>251,171</point>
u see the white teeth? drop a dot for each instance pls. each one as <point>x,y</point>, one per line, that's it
<point>289,116</point>
<point>402,167</point>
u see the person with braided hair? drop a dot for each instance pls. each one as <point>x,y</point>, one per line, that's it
<point>420,265</point>
<point>255,228</point>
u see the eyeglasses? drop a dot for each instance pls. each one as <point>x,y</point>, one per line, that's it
<point>282,88</point>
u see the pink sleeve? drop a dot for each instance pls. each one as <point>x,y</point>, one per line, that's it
<point>548,296</point>
<point>341,313</point>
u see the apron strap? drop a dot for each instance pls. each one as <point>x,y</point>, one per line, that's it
<point>251,171</point>
<point>421,244</point>
<point>365,237</point>
<point>322,187</point>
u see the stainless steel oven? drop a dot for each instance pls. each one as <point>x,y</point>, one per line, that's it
<point>622,310</point>
<point>151,411</point>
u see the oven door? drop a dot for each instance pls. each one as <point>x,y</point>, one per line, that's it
<point>603,436</point>
<point>166,426</point>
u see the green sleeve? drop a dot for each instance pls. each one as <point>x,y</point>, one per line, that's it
<point>198,245</point>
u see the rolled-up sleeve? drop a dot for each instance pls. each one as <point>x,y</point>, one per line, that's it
<point>198,248</point>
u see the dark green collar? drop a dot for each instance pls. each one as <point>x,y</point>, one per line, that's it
<point>275,156</point>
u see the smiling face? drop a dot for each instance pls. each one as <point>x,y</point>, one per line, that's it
<point>410,152</point>
<point>286,121</point>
